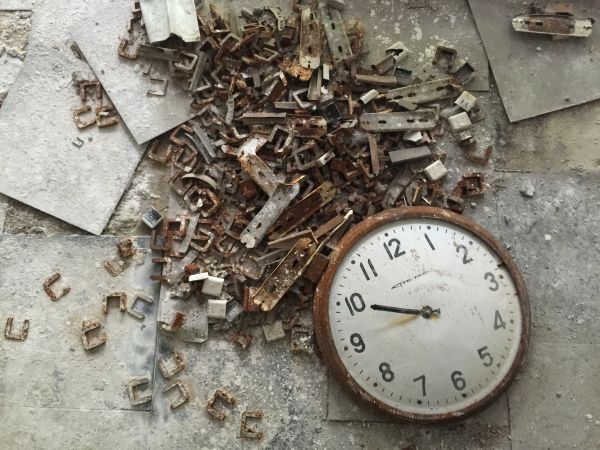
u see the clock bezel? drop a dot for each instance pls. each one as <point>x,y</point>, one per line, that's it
<point>324,336</point>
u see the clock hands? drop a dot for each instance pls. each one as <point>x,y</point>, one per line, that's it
<point>425,311</point>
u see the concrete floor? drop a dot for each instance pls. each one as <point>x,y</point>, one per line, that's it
<point>552,405</point>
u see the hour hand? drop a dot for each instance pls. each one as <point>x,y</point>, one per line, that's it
<point>395,309</point>
<point>425,311</point>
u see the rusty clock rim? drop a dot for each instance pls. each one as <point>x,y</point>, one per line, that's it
<point>323,331</point>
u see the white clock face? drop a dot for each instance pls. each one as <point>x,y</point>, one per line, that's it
<point>424,361</point>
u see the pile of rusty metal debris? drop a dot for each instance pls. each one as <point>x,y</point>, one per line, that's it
<point>294,141</point>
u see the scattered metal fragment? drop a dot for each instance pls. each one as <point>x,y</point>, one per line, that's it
<point>152,218</point>
<point>409,154</point>
<point>212,286</point>
<point>20,335</point>
<point>243,340</point>
<point>466,101</point>
<point>284,275</point>
<point>435,171</point>
<point>77,142</point>
<point>184,394</point>
<point>431,91</point>
<point>245,430</point>
<point>256,230</point>
<point>134,388</point>
<point>310,40</point>
<point>463,72</point>
<point>339,45</point>
<point>171,366</point>
<point>92,334</point>
<point>421,119</point>
<point>301,339</point>
<point>220,394</point>
<point>381,80</point>
<point>163,89</point>
<point>459,122</point>
<point>368,96</point>
<point>217,308</point>
<point>444,56</point>
<point>47,285</point>
<point>138,297</point>
<point>120,297</point>
<point>273,331</point>
<point>557,24</point>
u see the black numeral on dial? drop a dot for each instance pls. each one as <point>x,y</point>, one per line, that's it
<point>494,285</point>
<point>422,379</point>
<point>393,244</point>
<point>458,381</point>
<point>368,271</point>
<point>355,303</point>
<point>465,258</point>
<point>386,372</point>
<point>498,322</point>
<point>357,341</point>
<point>487,357</point>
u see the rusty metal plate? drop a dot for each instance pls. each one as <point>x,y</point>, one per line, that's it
<point>432,91</point>
<point>310,40</point>
<point>307,126</point>
<point>421,119</point>
<point>284,275</point>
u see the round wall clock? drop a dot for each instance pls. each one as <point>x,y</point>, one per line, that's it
<point>422,314</point>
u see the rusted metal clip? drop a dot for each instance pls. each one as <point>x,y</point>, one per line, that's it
<point>120,297</point>
<point>48,290</point>
<point>245,430</point>
<point>21,335</point>
<point>224,395</point>
<point>90,342</point>
<point>184,394</point>
<point>133,389</point>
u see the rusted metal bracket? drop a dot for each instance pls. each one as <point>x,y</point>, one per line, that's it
<point>305,163</point>
<point>123,51</point>
<point>223,395</point>
<point>284,275</point>
<point>48,287</point>
<point>134,390</point>
<point>381,80</point>
<point>20,335</point>
<point>307,126</point>
<point>77,112</point>
<point>87,328</point>
<point>255,167</point>
<point>160,53</point>
<point>301,339</point>
<point>184,394</point>
<point>171,366</point>
<point>310,40</point>
<point>431,91</point>
<point>159,92</point>
<point>263,118</point>
<point>553,24</point>
<point>420,119</point>
<point>139,298</point>
<point>120,297</point>
<point>304,209</point>
<point>245,430</point>
<point>337,39</point>
<point>256,230</point>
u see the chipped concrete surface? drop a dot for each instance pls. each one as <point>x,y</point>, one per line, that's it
<point>552,235</point>
<point>15,27</point>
